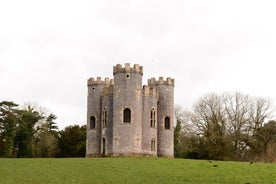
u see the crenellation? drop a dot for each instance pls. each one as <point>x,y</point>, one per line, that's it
<point>153,82</point>
<point>107,80</point>
<point>128,69</point>
<point>127,66</point>
<point>136,67</point>
<point>111,82</point>
<point>161,80</point>
<point>170,81</point>
<point>98,81</point>
<point>118,66</point>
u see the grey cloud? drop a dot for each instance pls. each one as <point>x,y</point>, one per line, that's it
<point>205,45</point>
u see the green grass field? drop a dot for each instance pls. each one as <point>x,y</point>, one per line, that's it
<point>133,170</point>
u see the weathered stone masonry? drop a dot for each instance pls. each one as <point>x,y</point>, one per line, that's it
<point>126,119</point>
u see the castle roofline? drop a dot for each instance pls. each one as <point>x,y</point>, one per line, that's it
<point>153,82</point>
<point>127,69</point>
<point>98,81</point>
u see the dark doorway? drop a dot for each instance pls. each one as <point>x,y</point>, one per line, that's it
<point>103,153</point>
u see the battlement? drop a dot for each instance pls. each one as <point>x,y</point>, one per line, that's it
<point>99,81</point>
<point>150,91</point>
<point>153,82</point>
<point>127,69</point>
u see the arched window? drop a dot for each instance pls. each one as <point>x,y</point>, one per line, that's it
<point>104,117</point>
<point>92,122</point>
<point>127,115</point>
<point>167,122</point>
<point>153,144</point>
<point>152,118</point>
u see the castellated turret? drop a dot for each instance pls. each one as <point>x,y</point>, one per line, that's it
<point>94,114</point>
<point>165,115</point>
<point>125,118</point>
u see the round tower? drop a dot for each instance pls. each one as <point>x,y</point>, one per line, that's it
<point>127,107</point>
<point>165,116</point>
<point>93,138</point>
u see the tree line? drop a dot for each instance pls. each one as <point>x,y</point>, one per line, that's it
<point>26,132</point>
<point>228,126</point>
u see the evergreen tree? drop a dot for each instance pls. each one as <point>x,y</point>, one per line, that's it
<point>25,131</point>
<point>8,122</point>
<point>177,131</point>
<point>72,141</point>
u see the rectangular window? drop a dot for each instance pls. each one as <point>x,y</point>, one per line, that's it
<point>104,117</point>
<point>152,118</point>
<point>92,122</point>
<point>167,122</point>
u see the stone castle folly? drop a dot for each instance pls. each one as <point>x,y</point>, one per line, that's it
<point>125,118</point>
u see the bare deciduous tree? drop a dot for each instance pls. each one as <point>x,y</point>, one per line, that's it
<point>260,111</point>
<point>226,124</point>
<point>237,108</point>
<point>210,122</point>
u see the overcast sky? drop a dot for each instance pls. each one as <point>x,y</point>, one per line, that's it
<point>48,49</point>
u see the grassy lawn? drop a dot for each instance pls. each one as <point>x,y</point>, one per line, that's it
<point>133,170</point>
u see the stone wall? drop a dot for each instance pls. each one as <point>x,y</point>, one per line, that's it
<point>149,123</point>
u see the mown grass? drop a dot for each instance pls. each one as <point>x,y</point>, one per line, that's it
<point>133,170</point>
